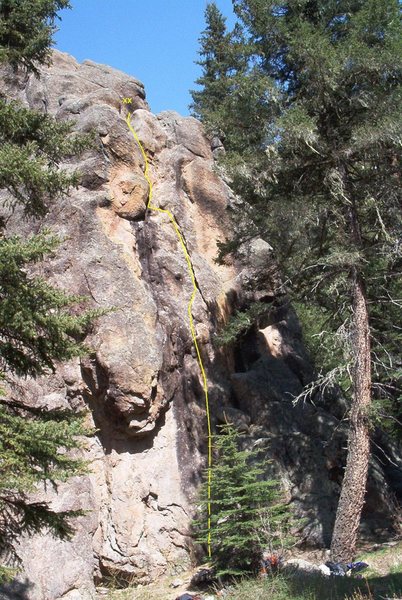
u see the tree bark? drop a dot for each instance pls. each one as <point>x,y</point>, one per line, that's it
<point>353,490</point>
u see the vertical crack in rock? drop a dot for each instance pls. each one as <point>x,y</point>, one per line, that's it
<point>191,262</point>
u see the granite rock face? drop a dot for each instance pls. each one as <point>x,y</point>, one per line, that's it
<point>141,384</point>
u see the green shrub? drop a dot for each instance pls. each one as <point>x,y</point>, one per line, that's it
<point>247,515</point>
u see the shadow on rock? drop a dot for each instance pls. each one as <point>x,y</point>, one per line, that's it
<point>16,590</point>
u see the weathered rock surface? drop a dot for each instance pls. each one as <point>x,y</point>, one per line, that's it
<point>142,382</point>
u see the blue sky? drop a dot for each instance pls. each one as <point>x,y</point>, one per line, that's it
<point>156,41</point>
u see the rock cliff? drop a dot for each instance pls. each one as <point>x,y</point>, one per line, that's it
<point>141,384</point>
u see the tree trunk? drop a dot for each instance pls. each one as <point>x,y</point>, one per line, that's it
<point>354,482</point>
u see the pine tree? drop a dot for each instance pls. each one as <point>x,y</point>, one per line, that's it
<point>39,324</point>
<point>215,62</point>
<point>26,31</point>
<point>323,181</point>
<point>247,516</point>
<point>230,94</point>
<point>30,455</point>
<point>32,146</point>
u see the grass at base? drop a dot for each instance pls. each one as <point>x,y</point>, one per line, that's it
<point>382,580</point>
<point>309,587</point>
<point>295,587</point>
